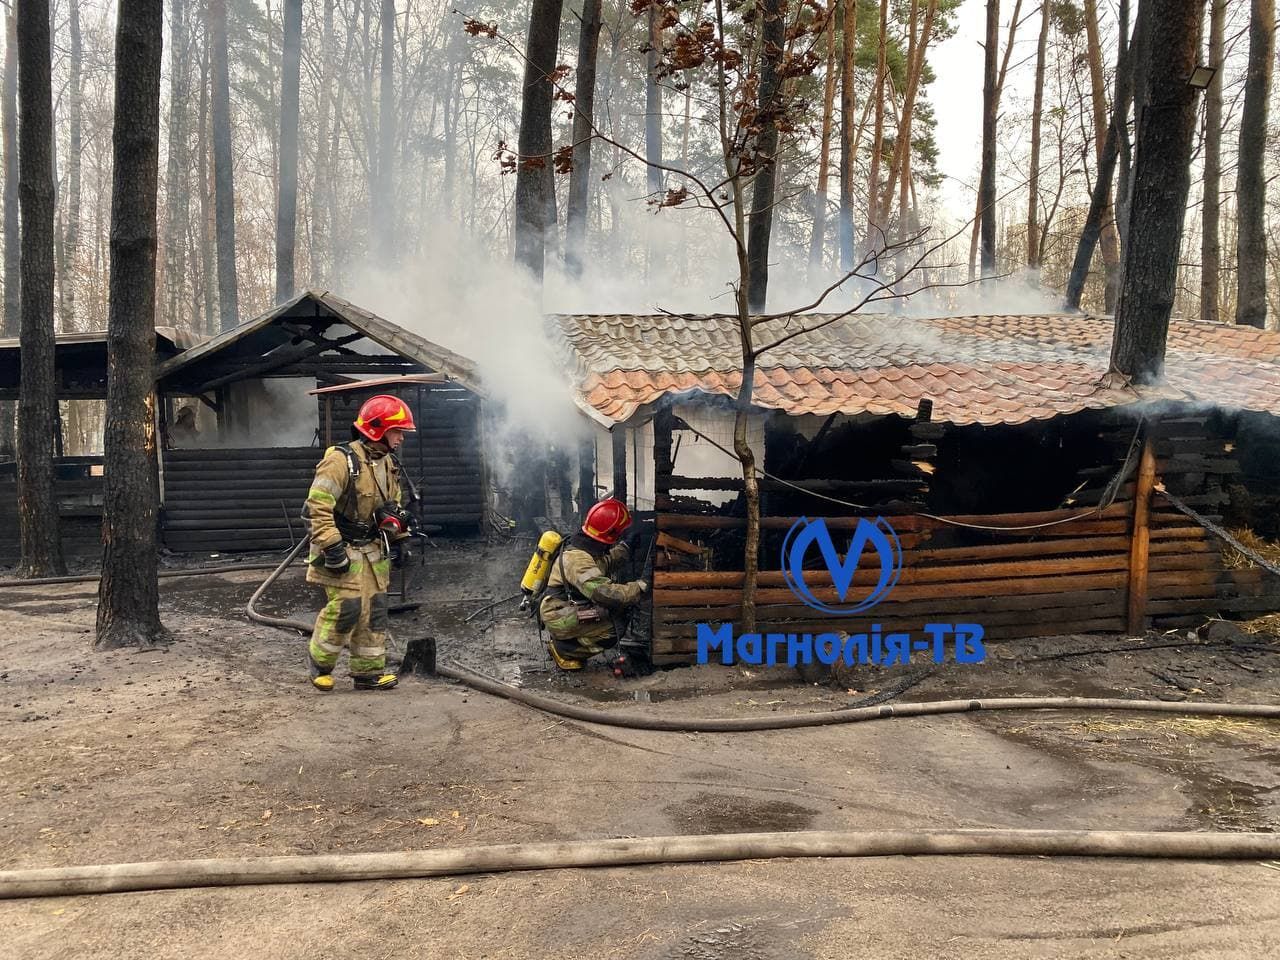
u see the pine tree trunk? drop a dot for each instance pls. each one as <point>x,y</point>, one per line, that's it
<point>37,405</point>
<point>987,177</point>
<point>848,135</point>
<point>287,200</point>
<point>323,175</point>
<point>1210,238</point>
<point>11,322</point>
<point>1251,272</point>
<point>653,105</point>
<point>128,593</point>
<point>205,179</point>
<point>71,239</point>
<point>1162,179</point>
<point>1099,201</point>
<point>223,176</point>
<point>383,208</point>
<point>874,235</point>
<point>1037,109</point>
<point>1110,238</point>
<point>817,239</point>
<point>760,226</point>
<point>177,179</point>
<point>533,175</point>
<point>584,94</point>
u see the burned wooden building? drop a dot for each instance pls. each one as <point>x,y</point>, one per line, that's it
<point>80,374</point>
<point>234,475</point>
<point>1030,491</point>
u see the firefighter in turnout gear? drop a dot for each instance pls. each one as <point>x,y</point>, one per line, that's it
<point>583,604</point>
<point>355,541</point>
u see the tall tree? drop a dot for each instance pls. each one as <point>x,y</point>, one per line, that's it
<point>817,238</point>
<point>128,593</point>
<point>1251,183</point>
<point>223,176</point>
<point>584,93</point>
<point>533,174</point>
<point>653,102</point>
<point>848,134</point>
<point>11,322</point>
<point>71,239</point>
<point>1110,238</point>
<point>287,200</point>
<point>760,226</point>
<point>877,141</point>
<point>987,176</point>
<point>1211,232</point>
<point>383,203</point>
<point>37,403</point>
<point>1099,201</point>
<point>1037,111</point>
<point>177,181</point>
<point>1161,181</point>
<point>322,184</point>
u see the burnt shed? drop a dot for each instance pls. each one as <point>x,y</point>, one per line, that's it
<point>80,372</point>
<point>244,426</point>
<point>1030,491</point>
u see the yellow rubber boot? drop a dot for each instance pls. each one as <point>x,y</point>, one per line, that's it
<point>564,663</point>
<point>383,681</point>
<point>321,678</point>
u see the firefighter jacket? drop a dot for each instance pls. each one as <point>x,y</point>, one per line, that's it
<point>581,592</point>
<point>344,496</point>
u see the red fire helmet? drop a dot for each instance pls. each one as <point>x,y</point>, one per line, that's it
<point>607,521</point>
<point>382,413</point>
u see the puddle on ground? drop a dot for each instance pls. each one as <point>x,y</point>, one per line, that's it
<point>709,813</point>
<point>743,938</point>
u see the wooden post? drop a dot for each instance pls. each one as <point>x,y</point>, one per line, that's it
<point>619,436</point>
<point>1138,550</point>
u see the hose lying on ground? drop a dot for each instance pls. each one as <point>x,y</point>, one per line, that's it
<point>94,577</point>
<point>458,861</point>
<point>485,684</point>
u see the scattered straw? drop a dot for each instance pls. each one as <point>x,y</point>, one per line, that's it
<point>1185,726</point>
<point>1266,624</point>
<point>1233,559</point>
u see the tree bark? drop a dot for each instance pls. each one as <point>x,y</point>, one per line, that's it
<point>71,239</point>
<point>584,93</point>
<point>1096,219</point>
<point>1211,238</point>
<point>848,135</point>
<point>760,226</point>
<point>1110,238</point>
<point>383,204</point>
<point>11,322</point>
<point>817,239</point>
<point>287,201</point>
<point>533,173</point>
<point>987,177</point>
<point>207,184</point>
<point>653,104</point>
<point>37,404</point>
<point>1251,272</point>
<point>1033,180</point>
<point>177,179</point>
<point>877,145</point>
<point>223,176</point>
<point>1162,179</point>
<point>322,183</point>
<point>128,593</point>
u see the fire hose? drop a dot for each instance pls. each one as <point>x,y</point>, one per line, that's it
<point>559,708</point>
<point>501,858</point>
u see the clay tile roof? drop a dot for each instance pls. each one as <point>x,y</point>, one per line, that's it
<point>976,369</point>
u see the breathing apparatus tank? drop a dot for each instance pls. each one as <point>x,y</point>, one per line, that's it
<point>539,569</point>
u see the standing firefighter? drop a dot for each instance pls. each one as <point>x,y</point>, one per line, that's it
<point>358,532</point>
<point>582,605</point>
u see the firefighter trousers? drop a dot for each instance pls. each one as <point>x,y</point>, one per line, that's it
<point>354,617</point>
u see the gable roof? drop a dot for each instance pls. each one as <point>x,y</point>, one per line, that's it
<point>975,369</point>
<point>311,303</point>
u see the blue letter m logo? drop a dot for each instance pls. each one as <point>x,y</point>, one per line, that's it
<point>878,535</point>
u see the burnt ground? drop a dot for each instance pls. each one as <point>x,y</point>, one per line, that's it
<point>216,746</point>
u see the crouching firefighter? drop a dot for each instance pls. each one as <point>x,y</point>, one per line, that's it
<point>359,530</point>
<point>583,608</point>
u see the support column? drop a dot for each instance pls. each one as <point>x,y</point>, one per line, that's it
<point>1141,542</point>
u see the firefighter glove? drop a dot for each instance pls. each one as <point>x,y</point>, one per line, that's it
<point>644,586</point>
<point>336,559</point>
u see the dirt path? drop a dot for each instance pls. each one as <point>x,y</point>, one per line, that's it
<point>216,746</point>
